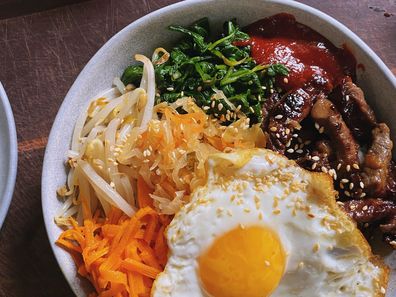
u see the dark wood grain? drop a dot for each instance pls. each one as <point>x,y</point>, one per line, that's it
<point>40,56</point>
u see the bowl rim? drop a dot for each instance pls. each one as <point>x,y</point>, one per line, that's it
<point>13,156</point>
<point>46,173</point>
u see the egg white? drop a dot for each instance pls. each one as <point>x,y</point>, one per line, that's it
<point>326,254</point>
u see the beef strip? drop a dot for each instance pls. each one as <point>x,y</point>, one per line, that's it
<point>293,107</point>
<point>297,104</point>
<point>324,147</point>
<point>375,211</point>
<point>391,183</point>
<point>327,116</point>
<point>269,106</point>
<point>377,162</point>
<point>357,114</point>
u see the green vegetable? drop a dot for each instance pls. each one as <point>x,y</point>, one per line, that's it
<point>132,75</point>
<point>200,68</point>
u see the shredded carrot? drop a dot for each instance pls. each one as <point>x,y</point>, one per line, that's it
<point>120,256</point>
<point>143,193</point>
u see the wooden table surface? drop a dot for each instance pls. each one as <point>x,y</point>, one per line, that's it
<point>42,50</point>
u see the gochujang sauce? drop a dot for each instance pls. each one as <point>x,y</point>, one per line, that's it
<point>310,57</point>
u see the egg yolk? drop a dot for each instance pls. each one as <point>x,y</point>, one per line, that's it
<point>245,262</point>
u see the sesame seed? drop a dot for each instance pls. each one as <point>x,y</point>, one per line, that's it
<point>228,118</point>
<point>353,207</point>
<point>348,168</point>
<point>277,135</point>
<point>251,109</point>
<point>242,226</point>
<point>300,151</point>
<point>315,158</point>
<point>279,116</point>
<point>290,151</point>
<point>170,89</point>
<point>314,166</point>
<point>339,166</point>
<point>267,263</point>
<point>361,184</point>
<point>220,106</point>
<point>345,181</point>
<point>347,194</point>
<point>321,130</point>
<point>365,207</point>
<point>295,135</point>
<point>260,216</point>
<point>317,126</point>
<point>273,129</point>
<point>383,291</point>
<point>287,131</point>
<point>206,108</point>
<point>213,104</point>
<point>356,166</point>
<point>285,80</point>
<point>288,143</point>
<point>341,185</point>
<point>316,247</point>
<point>351,186</point>
<point>324,169</point>
<point>238,108</point>
<point>307,142</point>
<point>296,147</point>
<point>276,211</point>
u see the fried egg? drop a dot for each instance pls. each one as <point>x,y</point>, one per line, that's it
<point>263,226</point>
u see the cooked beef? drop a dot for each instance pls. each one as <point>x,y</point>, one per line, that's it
<point>377,161</point>
<point>324,147</point>
<point>269,106</point>
<point>375,211</point>
<point>357,114</point>
<point>327,116</point>
<point>370,210</point>
<point>391,184</point>
<point>344,123</point>
<point>315,161</point>
<point>296,105</point>
<point>293,107</point>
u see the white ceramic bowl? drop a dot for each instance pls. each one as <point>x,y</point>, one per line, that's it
<point>149,32</point>
<point>8,154</point>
